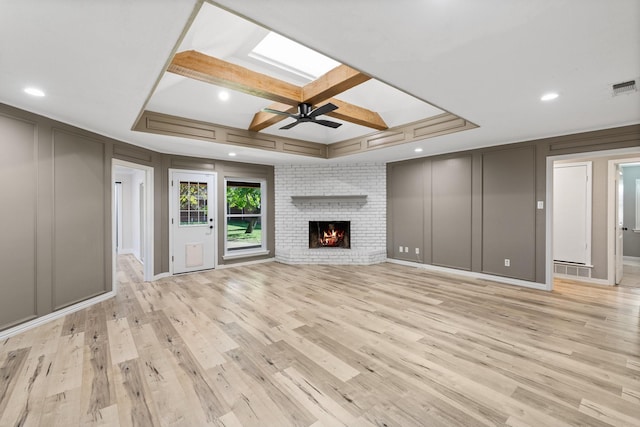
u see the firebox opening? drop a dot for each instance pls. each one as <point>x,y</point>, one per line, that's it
<point>329,234</point>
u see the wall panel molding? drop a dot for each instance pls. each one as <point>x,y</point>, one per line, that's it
<point>164,124</point>
<point>18,220</point>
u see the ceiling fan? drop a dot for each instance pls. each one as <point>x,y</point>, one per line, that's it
<point>306,114</point>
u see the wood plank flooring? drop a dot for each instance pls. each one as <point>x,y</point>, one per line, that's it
<point>278,345</point>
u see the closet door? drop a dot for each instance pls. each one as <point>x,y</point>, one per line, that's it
<point>572,212</point>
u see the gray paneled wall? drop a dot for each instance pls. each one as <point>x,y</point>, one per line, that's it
<point>54,220</point>
<point>80,212</point>
<point>406,214</point>
<point>508,212</point>
<point>480,207</point>
<point>17,220</point>
<point>451,212</point>
<point>463,198</point>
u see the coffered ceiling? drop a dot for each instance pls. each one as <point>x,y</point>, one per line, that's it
<point>429,72</point>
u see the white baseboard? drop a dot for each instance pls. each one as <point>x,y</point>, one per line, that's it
<point>160,276</point>
<point>53,316</point>
<point>125,251</point>
<point>631,260</point>
<point>472,274</point>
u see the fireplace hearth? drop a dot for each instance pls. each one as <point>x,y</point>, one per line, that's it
<point>329,234</point>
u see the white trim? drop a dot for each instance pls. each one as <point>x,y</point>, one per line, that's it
<point>611,213</point>
<point>243,264</point>
<point>472,274</point>
<point>228,255</point>
<point>637,228</point>
<point>173,214</point>
<point>246,254</point>
<point>148,222</point>
<point>549,213</point>
<point>23,327</point>
<point>160,276</point>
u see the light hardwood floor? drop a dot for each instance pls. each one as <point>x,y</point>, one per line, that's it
<point>278,345</point>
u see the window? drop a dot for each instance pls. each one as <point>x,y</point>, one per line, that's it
<point>245,216</point>
<point>193,203</point>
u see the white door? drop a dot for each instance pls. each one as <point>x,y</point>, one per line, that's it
<point>193,221</point>
<point>572,212</point>
<point>619,224</point>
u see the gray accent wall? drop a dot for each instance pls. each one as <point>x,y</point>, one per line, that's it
<point>56,216</point>
<point>407,214</point>
<point>508,212</point>
<point>18,175</point>
<point>80,212</point>
<point>451,212</point>
<point>479,207</point>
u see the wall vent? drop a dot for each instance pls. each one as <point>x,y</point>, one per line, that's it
<point>625,87</point>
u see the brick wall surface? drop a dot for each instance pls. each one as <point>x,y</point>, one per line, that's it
<point>368,218</point>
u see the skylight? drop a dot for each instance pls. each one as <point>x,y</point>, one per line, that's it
<point>292,57</point>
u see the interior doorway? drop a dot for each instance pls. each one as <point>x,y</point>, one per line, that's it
<point>604,215</point>
<point>623,226</point>
<point>133,216</point>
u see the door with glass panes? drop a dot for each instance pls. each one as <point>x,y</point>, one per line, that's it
<point>192,221</point>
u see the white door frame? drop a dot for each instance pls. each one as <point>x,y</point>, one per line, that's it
<point>612,214</point>
<point>148,223</point>
<point>631,152</point>
<point>213,205</point>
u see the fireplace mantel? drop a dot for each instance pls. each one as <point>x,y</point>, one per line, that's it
<point>353,198</point>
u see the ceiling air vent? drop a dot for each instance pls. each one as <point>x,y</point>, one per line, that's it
<point>625,87</point>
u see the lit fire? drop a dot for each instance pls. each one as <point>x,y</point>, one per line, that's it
<point>331,237</point>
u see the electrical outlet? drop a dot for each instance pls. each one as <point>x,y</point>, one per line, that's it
<point>400,249</point>
<point>406,249</point>
<point>507,262</point>
<point>540,204</point>
<point>417,251</point>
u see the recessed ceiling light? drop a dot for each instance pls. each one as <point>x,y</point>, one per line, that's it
<point>232,154</point>
<point>548,96</point>
<point>418,150</point>
<point>33,91</point>
<point>223,95</point>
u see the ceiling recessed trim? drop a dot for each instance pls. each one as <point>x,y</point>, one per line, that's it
<point>164,124</point>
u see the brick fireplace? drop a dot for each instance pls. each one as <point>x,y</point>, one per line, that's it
<point>330,194</point>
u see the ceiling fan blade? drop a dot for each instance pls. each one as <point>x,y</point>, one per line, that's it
<point>282,113</point>
<point>290,125</point>
<point>328,123</point>
<point>324,109</point>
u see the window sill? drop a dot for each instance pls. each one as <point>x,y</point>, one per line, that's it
<point>245,254</point>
